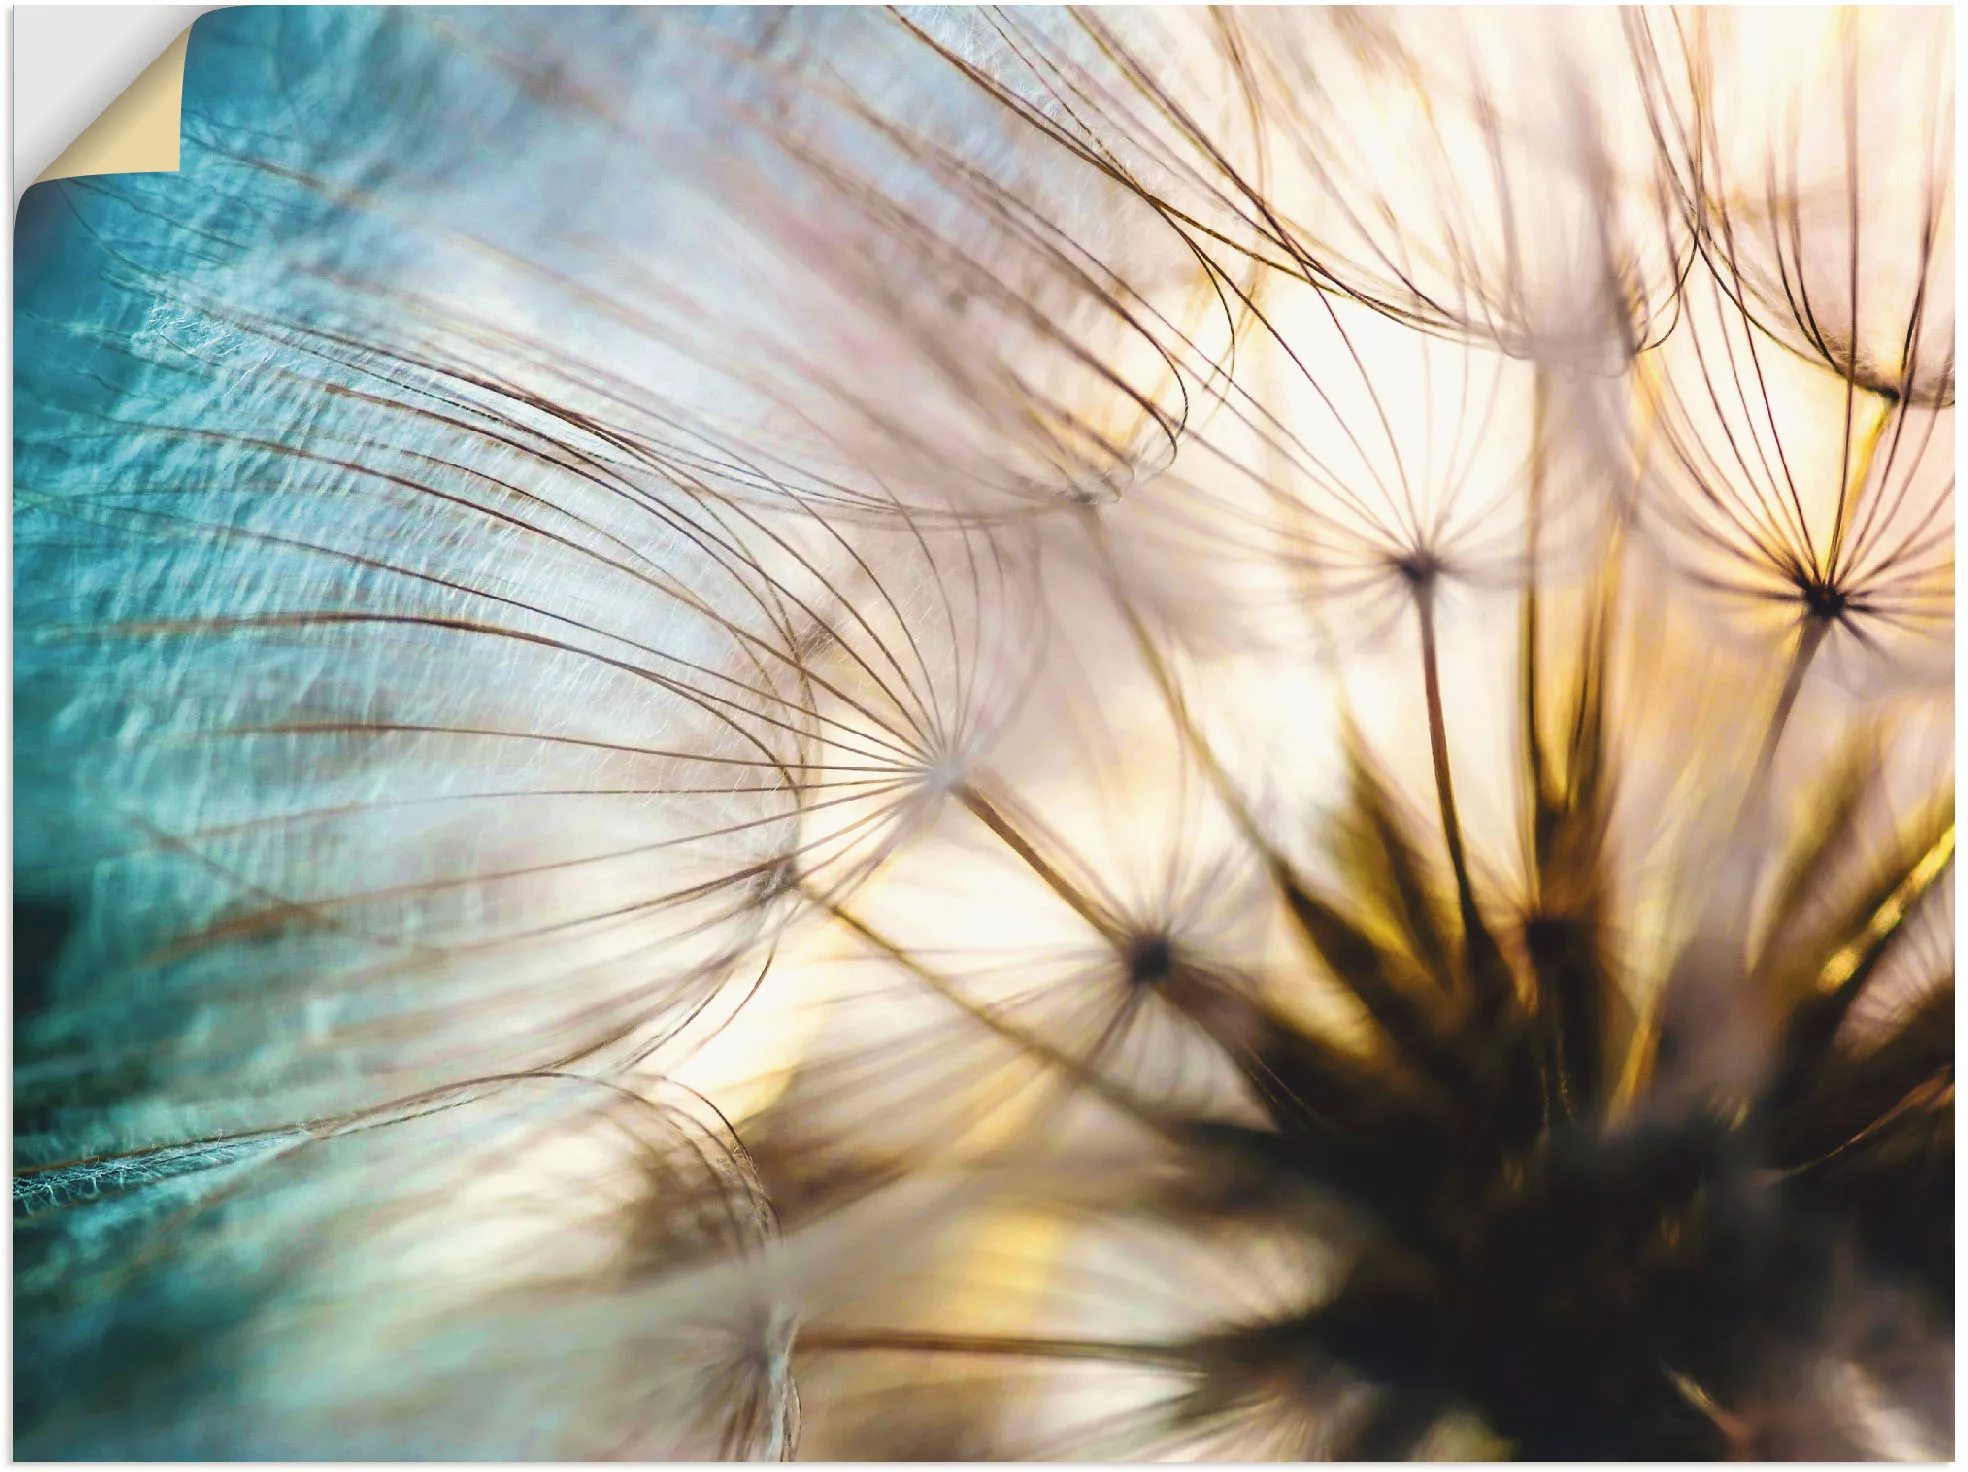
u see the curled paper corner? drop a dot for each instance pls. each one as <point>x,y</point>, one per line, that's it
<point>138,133</point>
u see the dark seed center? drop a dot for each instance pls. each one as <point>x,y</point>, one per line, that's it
<point>1150,960</point>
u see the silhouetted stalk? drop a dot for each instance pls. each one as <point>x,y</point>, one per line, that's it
<point>1438,743</point>
<point>1015,1346</point>
<point>1810,637</point>
<point>1078,1071</point>
<point>1533,737</point>
<point>994,818</point>
<point>1220,781</point>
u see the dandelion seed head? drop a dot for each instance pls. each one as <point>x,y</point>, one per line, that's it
<point>1203,734</point>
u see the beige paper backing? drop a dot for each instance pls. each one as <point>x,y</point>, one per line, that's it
<point>138,132</point>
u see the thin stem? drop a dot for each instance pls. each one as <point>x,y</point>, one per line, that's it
<point>1810,638</point>
<point>908,1341</point>
<point>1533,734</point>
<point>1438,742</point>
<point>993,817</point>
<point>1221,783</point>
<point>1079,1071</point>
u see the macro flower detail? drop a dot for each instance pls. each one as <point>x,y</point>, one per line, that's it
<point>923,735</point>
<point>1823,196</point>
<point>1795,498</point>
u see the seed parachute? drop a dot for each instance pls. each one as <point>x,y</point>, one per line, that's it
<point>993,734</point>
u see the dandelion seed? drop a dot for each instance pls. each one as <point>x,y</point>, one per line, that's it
<point>1820,180</point>
<point>990,734</point>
